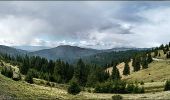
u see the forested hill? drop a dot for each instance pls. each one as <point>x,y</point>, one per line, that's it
<point>109,58</point>
<point>65,52</point>
<point>72,53</point>
<point>11,51</point>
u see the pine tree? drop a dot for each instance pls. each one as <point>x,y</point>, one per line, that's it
<point>155,53</point>
<point>136,64</point>
<point>126,70</point>
<point>144,63</point>
<point>115,73</point>
<point>159,55</point>
<point>167,55</point>
<point>29,76</point>
<point>92,79</point>
<point>149,60</point>
<point>80,72</point>
<point>167,48</point>
<point>161,47</point>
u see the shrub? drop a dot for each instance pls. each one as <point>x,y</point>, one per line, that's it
<point>89,90</point>
<point>7,71</point>
<point>48,83</point>
<point>52,85</point>
<point>111,87</point>
<point>141,83</point>
<point>117,97</point>
<point>152,80</point>
<point>138,89</point>
<point>74,88</point>
<point>142,90</point>
<point>129,88</point>
<point>29,76</point>
<point>167,85</point>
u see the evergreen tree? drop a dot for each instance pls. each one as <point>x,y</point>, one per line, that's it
<point>155,53</point>
<point>92,79</point>
<point>167,85</point>
<point>29,76</point>
<point>115,73</point>
<point>25,66</point>
<point>136,64</point>
<point>149,60</point>
<point>7,71</point>
<point>80,73</point>
<point>159,55</point>
<point>144,63</point>
<point>167,48</point>
<point>74,88</point>
<point>126,70</point>
<point>161,47</point>
<point>168,55</point>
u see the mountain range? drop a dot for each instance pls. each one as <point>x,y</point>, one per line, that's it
<point>63,52</point>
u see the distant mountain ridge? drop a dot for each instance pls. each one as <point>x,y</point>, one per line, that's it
<point>11,51</point>
<point>66,52</point>
<point>31,48</point>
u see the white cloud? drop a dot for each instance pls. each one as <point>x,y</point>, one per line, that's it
<point>87,24</point>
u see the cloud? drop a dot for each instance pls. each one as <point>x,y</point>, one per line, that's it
<point>93,24</point>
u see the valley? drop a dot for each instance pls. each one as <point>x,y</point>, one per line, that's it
<point>152,79</point>
<point>84,50</point>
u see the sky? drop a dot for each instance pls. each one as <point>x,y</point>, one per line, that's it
<point>90,24</point>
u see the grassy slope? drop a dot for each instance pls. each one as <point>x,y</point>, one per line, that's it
<point>157,71</point>
<point>22,90</point>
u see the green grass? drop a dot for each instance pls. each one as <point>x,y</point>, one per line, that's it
<point>10,89</point>
<point>154,83</point>
<point>158,71</point>
<point>22,90</point>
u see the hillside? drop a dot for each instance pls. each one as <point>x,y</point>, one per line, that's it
<point>72,53</point>
<point>65,52</point>
<point>31,48</point>
<point>108,57</point>
<point>157,71</point>
<point>154,85</point>
<point>12,51</point>
<point>120,67</point>
<point>11,89</point>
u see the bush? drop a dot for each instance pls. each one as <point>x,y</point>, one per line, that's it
<point>117,97</point>
<point>7,71</point>
<point>142,83</point>
<point>48,83</point>
<point>129,88</point>
<point>138,89</point>
<point>118,87</point>
<point>89,90</point>
<point>167,85</point>
<point>111,87</point>
<point>29,76</point>
<point>74,88</point>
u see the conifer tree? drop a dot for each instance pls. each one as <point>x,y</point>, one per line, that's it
<point>144,63</point>
<point>136,64</point>
<point>80,72</point>
<point>126,70</point>
<point>149,60</point>
<point>155,53</point>
<point>115,73</point>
